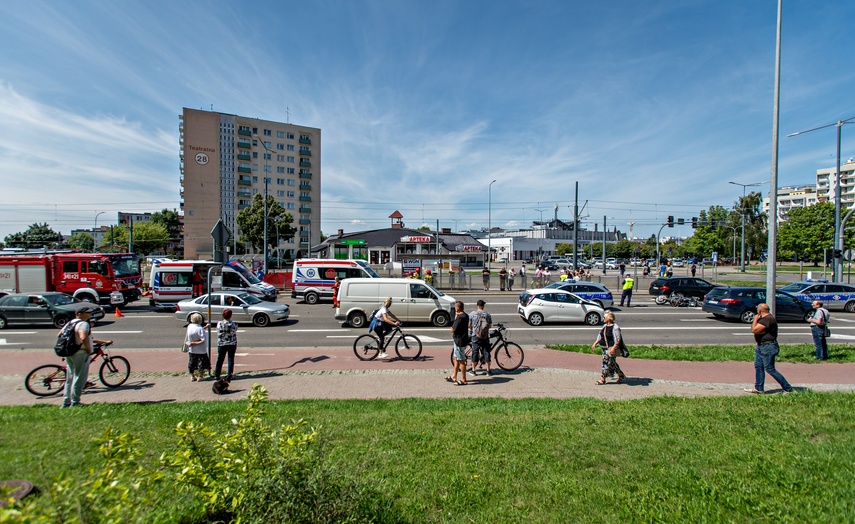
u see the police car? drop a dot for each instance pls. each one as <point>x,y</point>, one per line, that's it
<point>590,291</point>
<point>833,295</point>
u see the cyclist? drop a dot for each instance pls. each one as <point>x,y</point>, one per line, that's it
<point>385,319</point>
<point>78,363</point>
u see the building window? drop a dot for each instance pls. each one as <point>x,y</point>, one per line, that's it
<point>266,169</point>
<point>280,158</point>
<point>255,154</point>
<point>280,134</point>
<point>280,181</point>
<point>280,193</point>
<point>290,147</point>
<point>290,181</point>
<point>268,156</point>
<point>255,180</point>
<point>280,169</point>
<point>290,136</point>
<point>255,167</point>
<point>290,194</point>
<point>290,170</point>
<point>267,132</point>
<point>291,159</point>
<point>290,205</point>
<point>280,147</point>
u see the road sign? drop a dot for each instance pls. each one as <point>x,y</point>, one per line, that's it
<point>221,233</point>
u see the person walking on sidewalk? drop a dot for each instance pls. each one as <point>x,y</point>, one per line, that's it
<point>628,283</point>
<point>460,335</point>
<point>819,329</point>
<point>609,341</point>
<point>226,345</point>
<point>479,332</point>
<point>765,329</point>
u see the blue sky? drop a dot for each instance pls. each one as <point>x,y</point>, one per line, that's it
<point>651,106</point>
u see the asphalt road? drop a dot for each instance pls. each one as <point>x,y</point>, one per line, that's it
<point>144,329</point>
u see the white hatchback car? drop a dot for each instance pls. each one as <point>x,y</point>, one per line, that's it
<point>553,305</point>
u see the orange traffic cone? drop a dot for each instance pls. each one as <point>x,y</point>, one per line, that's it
<point>118,313</point>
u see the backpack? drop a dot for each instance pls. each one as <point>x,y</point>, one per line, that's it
<point>374,321</point>
<point>483,329</point>
<point>65,342</point>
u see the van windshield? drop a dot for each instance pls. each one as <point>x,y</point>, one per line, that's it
<point>245,273</point>
<point>368,269</point>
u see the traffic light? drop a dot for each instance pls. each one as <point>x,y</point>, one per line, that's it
<point>670,220</point>
<point>680,221</point>
<point>694,222</point>
<point>838,253</point>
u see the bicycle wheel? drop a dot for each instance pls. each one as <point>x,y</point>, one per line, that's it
<point>467,352</point>
<point>509,356</point>
<point>408,347</point>
<point>46,380</point>
<point>366,347</point>
<point>114,371</point>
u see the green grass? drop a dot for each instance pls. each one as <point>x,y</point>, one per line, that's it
<point>715,459</point>
<point>803,353</point>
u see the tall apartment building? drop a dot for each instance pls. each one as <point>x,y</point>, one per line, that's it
<point>790,197</point>
<point>224,162</point>
<point>824,178</point>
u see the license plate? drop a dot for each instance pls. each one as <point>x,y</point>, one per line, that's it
<point>713,302</point>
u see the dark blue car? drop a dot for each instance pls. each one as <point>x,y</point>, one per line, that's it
<point>741,303</point>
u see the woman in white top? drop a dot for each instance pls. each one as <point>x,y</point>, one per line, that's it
<point>199,363</point>
<point>609,340</point>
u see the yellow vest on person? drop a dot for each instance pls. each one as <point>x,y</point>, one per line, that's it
<point>627,283</point>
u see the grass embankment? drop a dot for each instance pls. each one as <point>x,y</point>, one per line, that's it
<point>803,353</point>
<point>783,459</point>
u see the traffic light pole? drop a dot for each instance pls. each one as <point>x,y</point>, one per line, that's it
<point>658,233</point>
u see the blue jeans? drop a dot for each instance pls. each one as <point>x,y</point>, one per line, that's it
<point>764,362</point>
<point>819,341</point>
<point>77,373</point>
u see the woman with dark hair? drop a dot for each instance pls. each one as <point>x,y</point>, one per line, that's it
<point>226,344</point>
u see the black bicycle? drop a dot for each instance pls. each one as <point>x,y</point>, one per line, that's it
<point>508,355</point>
<point>50,379</point>
<point>407,347</point>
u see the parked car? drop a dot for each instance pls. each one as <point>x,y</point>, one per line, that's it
<point>548,264</point>
<point>54,309</point>
<point>833,295</point>
<point>665,288</point>
<point>563,263</point>
<point>590,291</point>
<point>677,262</point>
<point>741,303</point>
<point>245,308</point>
<point>552,305</point>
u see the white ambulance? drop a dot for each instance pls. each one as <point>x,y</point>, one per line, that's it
<point>171,281</point>
<point>313,278</point>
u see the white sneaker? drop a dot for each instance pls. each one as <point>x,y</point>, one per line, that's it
<point>752,390</point>
<point>382,355</point>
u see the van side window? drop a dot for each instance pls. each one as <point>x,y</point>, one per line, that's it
<point>231,279</point>
<point>420,291</point>
<point>175,279</point>
<point>353,272</point>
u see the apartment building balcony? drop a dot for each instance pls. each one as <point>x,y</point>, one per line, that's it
<point>305,152</point>
<point>243,206</point>
<point>304,209</point>
<point>306,140</point>
<point>244,156</point>
<point>244,193</point>
<point>305,199</point>
<point>244,144</point>
<point>242,169</point>
<point>244,132</point>
<point>305,221</point>
<point>244,181</point>
<point>305,163</point>
<point>307,176</point>
<point>305,187</point>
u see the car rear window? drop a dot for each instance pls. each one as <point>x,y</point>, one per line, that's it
<point>718,292</point>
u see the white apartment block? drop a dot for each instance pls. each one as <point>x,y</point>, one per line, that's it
<point>825,178</point>
<point>225,160</point>
<point>790,197</point>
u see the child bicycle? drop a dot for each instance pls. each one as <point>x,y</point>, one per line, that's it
<point>408,347</point>
<point>508,355</point>
<point>50,379</point>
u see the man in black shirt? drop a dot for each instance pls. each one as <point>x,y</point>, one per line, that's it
<point>765,329</point>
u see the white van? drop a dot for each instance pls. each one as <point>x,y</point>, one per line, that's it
<point>171,281</point>
<point>413,300</point>
<point>313,278</point>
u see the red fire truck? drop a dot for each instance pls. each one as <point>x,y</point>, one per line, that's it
<point>100,278</point>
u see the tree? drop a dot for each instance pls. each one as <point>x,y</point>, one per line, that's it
<point>708,236</point>
<point>148,238</point>
<point>808,231</point>
<point>170,220</point>
<point>251,222</point>
<point>82,242</point>
<point>36,236</point>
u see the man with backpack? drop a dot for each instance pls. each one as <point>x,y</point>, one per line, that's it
<point>77,361</point>
<point>480,323</point>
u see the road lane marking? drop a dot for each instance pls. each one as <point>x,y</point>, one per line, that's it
<point>19,332</point>
<point>103,332</point>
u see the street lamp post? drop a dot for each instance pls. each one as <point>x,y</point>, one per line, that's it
<point>95,228</point>
<point>838,230</point>
<point>742,212</point>
<point>490,223</point>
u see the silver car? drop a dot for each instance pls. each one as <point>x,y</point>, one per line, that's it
<point>553,305</point>
<point>245,308</point>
